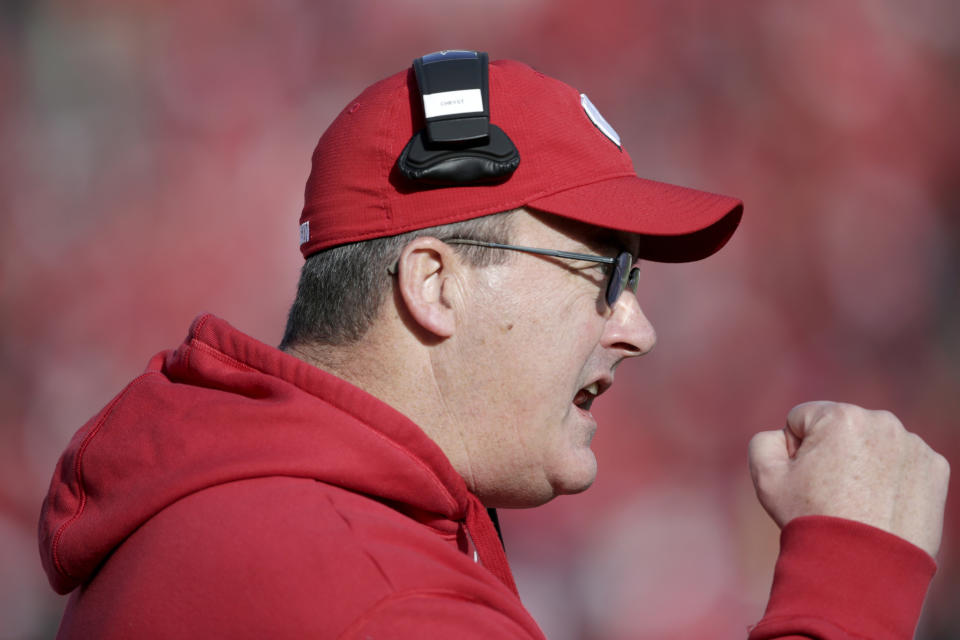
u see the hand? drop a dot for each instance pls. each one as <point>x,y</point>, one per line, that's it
<point>842,460</point>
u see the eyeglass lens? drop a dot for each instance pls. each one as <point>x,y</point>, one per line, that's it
<point>618,277</point>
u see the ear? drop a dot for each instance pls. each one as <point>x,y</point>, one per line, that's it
<point>426,278</point>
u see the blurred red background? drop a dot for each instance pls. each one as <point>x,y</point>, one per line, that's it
<point>153,167</point>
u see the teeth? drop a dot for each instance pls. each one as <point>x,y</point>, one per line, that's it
<point>585,396</point>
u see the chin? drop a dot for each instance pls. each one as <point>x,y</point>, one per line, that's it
<point>573,475</point>
<point>541,493</point>
<point>576,478</point>
<point>571,488</point>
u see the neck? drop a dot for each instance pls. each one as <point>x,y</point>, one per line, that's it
<point>398,370</point>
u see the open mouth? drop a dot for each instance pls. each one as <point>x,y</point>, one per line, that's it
<point>586,395</point>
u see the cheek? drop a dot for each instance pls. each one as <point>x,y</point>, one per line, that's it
<point>531,353</point>
<point>549,324</point>
<point>541,353</point>
<point>536,341</point>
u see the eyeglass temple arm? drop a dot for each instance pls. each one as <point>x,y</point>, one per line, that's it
<point>544,252</point>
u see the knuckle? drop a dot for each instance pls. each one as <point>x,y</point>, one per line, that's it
<point>875,423</point>
<point>924,454</point>
<point>917,443</point>
<point>918,449</point>
<point>813,410</point>
<point>884,419</point>
<point>840,415</point>
<point>941,465</point>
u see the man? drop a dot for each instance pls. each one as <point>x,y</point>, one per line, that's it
<point>471,235</point>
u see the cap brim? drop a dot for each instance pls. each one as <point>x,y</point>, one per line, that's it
<point>675,224</point>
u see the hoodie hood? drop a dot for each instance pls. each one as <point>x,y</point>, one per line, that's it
<point>223,407</point>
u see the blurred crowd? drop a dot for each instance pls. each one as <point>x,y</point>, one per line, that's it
<point>154,155</point>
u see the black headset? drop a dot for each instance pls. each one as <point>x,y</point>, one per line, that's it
<point>459,145</point>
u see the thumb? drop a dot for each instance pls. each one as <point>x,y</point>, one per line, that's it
<point>769,456</point>
<point>769,452</point>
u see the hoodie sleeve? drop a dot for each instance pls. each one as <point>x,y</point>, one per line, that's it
<point>840,579</point>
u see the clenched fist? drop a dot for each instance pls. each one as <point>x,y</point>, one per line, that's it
<point>842,460</point>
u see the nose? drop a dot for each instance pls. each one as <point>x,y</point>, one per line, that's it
<point>628,330</point>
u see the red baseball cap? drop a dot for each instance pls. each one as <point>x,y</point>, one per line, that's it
<point>572,164</point>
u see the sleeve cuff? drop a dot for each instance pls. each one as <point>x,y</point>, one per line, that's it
<point>838,578</point>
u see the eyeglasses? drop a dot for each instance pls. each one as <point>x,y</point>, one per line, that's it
<point>623,275</point>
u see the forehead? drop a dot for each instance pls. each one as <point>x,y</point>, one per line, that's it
<point>593,237</point>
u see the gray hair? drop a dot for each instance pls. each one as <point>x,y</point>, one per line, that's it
<point>341,289</point>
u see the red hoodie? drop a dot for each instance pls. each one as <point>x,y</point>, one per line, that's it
<point>234,491</point>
